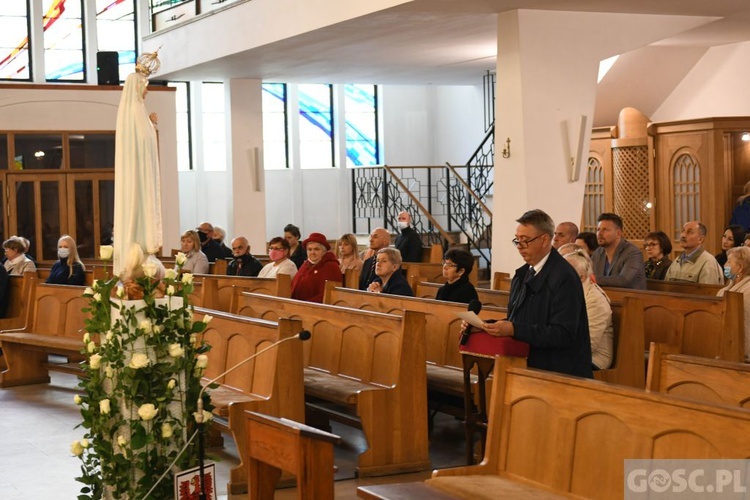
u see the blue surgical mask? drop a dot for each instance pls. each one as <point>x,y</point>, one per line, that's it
<point>728,274</point>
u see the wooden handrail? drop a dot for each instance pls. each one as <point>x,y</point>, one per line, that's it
<point>468,188</point>
<point>421,207</point>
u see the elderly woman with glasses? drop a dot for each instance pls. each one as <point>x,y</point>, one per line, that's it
<point>390,279</point>
<point>457,266</point>
<point>658,248</point>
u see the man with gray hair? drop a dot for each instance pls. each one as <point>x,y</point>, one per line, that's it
<point>546,308</point>
<point>695,264</point>
<point>565,232</point>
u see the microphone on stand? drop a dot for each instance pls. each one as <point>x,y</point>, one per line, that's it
<point>476,307</point>
<point>302,335</point>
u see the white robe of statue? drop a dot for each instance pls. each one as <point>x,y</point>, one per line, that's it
<point>137,175</point>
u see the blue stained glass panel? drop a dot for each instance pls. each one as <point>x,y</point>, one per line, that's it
<point>63,39</point>
<point>275,147</point>
<point>360,109</point>
<point>315,125</point>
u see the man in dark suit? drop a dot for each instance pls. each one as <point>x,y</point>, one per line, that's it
<point>617,262</point>
<point>546,308</point>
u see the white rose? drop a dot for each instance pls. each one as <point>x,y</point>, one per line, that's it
<point>86,338</point>
<point>170,290</point>
<point>109,335</point>
<point>85,443</point>
<point>120,291</point>
<point>91,347</point>
<point>171,384</point>
<point>76,448</point>
<point>207,318</point>
<point>106,251</point>
<point>201,361</point>
<point>121,441</point>
<point>147,411</point>
<point>97,284</point>
<point>170,274</point>
<point>206,416</point>
<point>104,406</point>
<point>166,430</point>
<point>97,297</point>
<point>77,399</point>
<point>193,339</point>
<point>149,269</point>
<point>88,291</point>
<point>187,278</point>
<point>146,326</point>
<point>176,350</point>
<point>180,259</point>
<point>158,329</point>
<point>94,361</point>
<point>108,371</point>
<point>139,360</point>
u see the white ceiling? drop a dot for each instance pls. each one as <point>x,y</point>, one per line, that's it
<point>449,42</point>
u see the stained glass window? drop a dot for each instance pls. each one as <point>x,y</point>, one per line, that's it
<point>63,40</point>
<point>360,107</point>
<point>315,125</point>
<point>14,41</point>
<point>115,31</point>
<point>275,151</point>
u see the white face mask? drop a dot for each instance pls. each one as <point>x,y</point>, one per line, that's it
<point>402,224</point>
<point>63,253</point>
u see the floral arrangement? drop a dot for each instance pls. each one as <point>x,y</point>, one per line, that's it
<point>144,362</point>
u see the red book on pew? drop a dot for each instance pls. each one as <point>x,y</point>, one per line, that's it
<point>481,343</point>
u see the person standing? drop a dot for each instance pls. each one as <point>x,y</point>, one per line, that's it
<point>408,241</point>
<point>546,308</point>
<point>617,262</point>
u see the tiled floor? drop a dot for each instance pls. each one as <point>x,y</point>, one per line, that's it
<point>37,425</point>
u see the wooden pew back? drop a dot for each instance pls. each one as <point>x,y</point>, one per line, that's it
<point>710,380</point>
<point>593,428</point>
<point>217,291</point>
<point>704,326</point>
<point>432,272</point>
<point>56,310</point>
<point>488,298</point>
<point>683,287</point>
<point>19,288</point>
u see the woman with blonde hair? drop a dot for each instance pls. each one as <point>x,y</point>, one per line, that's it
<point>737,271</point>
<point>68,270</point>
<point>346,252</point>
<point>197,262</point>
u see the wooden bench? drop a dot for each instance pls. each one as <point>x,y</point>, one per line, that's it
<point>683,287</point>
<point>710,327</point>
<point>19,290</point>
<point>270,384</point>
<point>489,298</point>
<point>701,379</point>
<point>364,369</point>
<point>501,281</point>
<point>54,325</point>
<point>433,273</point>
<point>217,290</point>
<point>433,253</point>
<point>552,436</point>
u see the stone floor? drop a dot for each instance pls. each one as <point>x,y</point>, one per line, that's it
<point>37,425</point>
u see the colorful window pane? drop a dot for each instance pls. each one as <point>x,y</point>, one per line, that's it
<point>315,125</point>
<point>63,40</point>
<point>275,151</point>
<point>14,41</point>
<point>115,31</point>
<point>360,108</point>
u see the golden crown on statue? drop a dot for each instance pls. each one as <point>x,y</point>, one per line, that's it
<point>148,63</point>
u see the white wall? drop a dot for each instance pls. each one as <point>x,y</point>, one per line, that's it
<point>89,108</point>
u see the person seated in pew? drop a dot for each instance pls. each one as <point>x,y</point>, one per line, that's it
<point>4,282</point>
<point>346,251</point>
<point>278,252</point>
<point>219,236</point>
<point>565,232</point>
<point>695,264</point>
<point>587,241</point>
<point>737,271</point>
<point>379,238</point>
<point>17,262</point>
<point>321,265</point>
<point>197,262</point>
<point>658,247</point>
<point>243,263</point>
<point>457,265</point>
<point>69,270</point>
<point>389,278</point>
<point>617,262</point>
<point>296,251</point>
<point>598,310</point>
<point>734,236</point>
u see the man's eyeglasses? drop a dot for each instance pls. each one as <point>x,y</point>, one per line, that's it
<point>524,243</point>
<point>449,264</point>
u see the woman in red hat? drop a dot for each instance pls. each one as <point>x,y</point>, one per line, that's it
<point>321,266</point>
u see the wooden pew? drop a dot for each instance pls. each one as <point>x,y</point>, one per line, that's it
<point>270,384</point>
<point>551,435</point>
<point>417,272</point>
<point>364,369</point>
<point>54,324</point>
<point>710,327</point>
<point>489,298</point>
<point>19,290</point>
<point>445,382</point>
<point>501,281</point>
<point>433,254</point>
<point>683,287</point>
<point>709,380</point>
<point>217,290</point>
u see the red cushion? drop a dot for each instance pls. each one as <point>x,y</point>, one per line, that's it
<point>482,343</point>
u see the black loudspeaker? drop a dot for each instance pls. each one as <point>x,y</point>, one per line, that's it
<point>107,68</point>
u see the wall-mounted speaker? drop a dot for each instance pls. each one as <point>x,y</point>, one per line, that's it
<point>107,68</point>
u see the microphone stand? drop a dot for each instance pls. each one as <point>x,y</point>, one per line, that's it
<point>302,335</point>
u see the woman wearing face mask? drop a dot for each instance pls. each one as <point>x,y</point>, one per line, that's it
<point>278,252</point>
<point>737,271</point>
<point>69,270</point>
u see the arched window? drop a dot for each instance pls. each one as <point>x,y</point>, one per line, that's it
<point>686,181</point>
<point>593,194</point>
